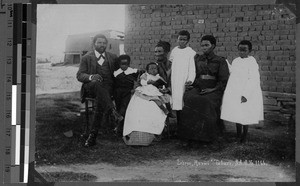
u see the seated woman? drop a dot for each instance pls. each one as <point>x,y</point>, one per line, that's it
<point>199,119</point>
<point>143,115</point>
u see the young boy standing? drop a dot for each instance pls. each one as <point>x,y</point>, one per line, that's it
<point>125,77</point>
<point>183,69</point>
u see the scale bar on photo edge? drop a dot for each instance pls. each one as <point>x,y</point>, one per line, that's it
<point>6,115</point>
<point>26,63</point>
<point>23,90</point>
<point>16,94</point>
<point>10,100</point>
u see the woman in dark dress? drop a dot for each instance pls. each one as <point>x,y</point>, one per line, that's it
<point>161,51</point>
<point>201,113</point>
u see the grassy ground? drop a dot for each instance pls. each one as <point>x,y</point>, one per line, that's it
<point>57,113</point>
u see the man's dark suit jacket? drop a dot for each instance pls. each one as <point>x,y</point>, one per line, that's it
<point>88,66</point>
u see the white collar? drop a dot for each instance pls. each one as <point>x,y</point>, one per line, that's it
<point>126,72</point>
<point>97,54</point>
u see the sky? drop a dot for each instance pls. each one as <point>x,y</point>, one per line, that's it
<point>56,21</point>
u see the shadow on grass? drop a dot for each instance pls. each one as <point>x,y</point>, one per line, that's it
<point>57,114</point>
<point>219,178</point>
<point>67,176</point>
<point>137,179</point>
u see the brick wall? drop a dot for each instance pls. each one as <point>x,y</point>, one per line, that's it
<point>270,28</point>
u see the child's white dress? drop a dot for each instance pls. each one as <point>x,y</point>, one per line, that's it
<point>183,70</point>
<point>244,81</point>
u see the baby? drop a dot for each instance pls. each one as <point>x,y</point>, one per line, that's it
<point>152,83</point>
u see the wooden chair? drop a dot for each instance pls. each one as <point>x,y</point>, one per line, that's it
<point>90,106</point>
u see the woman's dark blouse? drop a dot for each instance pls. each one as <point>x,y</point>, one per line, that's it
<point>164,70</point>
<point>212,65</point>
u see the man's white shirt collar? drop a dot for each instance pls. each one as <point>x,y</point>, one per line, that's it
<point>101,60</point>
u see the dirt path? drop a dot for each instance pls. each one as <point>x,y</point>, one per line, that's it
<point>183,168</point>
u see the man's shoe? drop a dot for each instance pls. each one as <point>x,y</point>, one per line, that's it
<point>91,141</point>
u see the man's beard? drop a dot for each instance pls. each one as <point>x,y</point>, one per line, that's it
<point>100,49</point>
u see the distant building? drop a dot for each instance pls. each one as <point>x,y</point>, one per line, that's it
<point>79,44</point>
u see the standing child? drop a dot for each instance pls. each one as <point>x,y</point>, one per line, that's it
<point>182,71</point>
<point>242,101</point>
<point>124,83</point>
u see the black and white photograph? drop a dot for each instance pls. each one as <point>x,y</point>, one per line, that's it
<point>166,92</point>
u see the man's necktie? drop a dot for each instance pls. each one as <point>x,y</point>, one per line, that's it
<point>101,59</point>
<point>101,56</point>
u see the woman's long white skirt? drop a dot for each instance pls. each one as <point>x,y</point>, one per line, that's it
<point>144,116</point>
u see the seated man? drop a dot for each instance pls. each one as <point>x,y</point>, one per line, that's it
<point>96,73</point>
